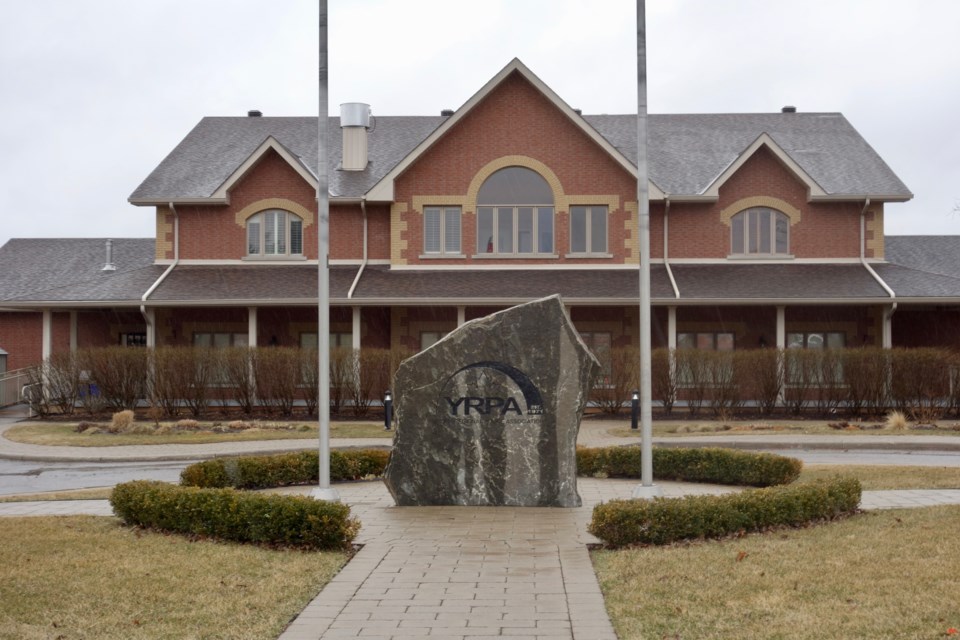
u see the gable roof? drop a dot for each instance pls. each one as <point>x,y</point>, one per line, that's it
<point>690,155</point>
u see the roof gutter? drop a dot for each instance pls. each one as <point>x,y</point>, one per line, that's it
<point>363,263</point>
<point>666,245</point>
<point>163,276</point>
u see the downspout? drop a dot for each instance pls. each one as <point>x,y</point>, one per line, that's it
<point>888,314</point>
<point>363,263</point>
<point>163,276</point>
<point>666,245</point>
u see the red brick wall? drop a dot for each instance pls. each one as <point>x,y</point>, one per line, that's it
<point>20,337</point>
<point>927,327</point>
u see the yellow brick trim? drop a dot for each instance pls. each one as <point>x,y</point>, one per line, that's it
<point>631,243</point>
<point>760,201</point>
<point>274,203</point>
<point>164,226</point>
<point>419,202</point>
<point>398,226</point>
<point>875,224</point>
<point>515,161</point>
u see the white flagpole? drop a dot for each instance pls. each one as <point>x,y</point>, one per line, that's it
<point>646,489</point>
<point>323,491</point>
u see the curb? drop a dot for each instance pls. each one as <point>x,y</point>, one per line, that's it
<point>819,445</point>
<point>191,457</point>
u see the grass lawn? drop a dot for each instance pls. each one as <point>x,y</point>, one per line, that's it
<point>882,574</point>
<point>87,577</point>
<point>760,426</point>
<point>64,434</point>
<point>878,477</point>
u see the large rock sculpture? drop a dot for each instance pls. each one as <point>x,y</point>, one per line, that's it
<point>490,414</point>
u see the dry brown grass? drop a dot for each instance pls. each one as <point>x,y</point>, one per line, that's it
<point>86,577</point>
<point>96,493</point>
<point>879,477</point>
<point>767,426</point>
<point>889,574</point>
<point>63,434</point>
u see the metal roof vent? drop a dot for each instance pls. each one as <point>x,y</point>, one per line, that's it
<point>254,113</point>
<point>354,121</point>
<point>109,266</point>
<point>789,109</point>
<point>446,112</point>
<point>579,112</point>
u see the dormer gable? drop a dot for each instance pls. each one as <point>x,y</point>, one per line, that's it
<point>269,144</point>
<point>383,191</point>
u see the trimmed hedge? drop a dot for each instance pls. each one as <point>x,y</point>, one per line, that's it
<point>261,472</point>
<point>713,465</point>
<point>295,521</point>
<point>663,521</point>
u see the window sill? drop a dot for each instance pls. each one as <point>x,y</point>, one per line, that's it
<point>443,256</point>
<point>515,256</point>
<point>588,255</point>
<point>760,256</point>
<point>299,258</point>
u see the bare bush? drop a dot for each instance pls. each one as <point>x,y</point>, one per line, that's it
<point>310,379</point>
<point>760,375</point>
<point>801,368</point>
<point>624,378</point>
<point>693,376</point>
<point>234,369</point>
<point>121,421</point>
<point>723,388</point>
<point>663,377</point>
<point>277,375</point>
<point>120,374</point>
<point>342,372</point>
<point>63,381</point>
<point>920,382</point>
<point>865,373</point>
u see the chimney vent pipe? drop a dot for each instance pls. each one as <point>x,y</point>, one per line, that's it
<point>109,266</point>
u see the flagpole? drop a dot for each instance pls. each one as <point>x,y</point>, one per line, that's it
<point>646,489</point>
<point>323,491</point>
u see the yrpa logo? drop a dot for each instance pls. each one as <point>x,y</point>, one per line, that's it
<point>491,389</point>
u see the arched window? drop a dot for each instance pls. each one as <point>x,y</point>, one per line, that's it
<point>760,231</point>
<point>274,232</point>
<point>515,213</point>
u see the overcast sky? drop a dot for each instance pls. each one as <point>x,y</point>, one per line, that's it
<point>96,93</point>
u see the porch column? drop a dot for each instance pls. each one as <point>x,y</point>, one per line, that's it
<point>461,316</point>
<point>251,326</point>
<point>151,321</point>
<point>888,326</point>
<point>73,331</point>
<point>672,327</point>
<point>355,331</point>
<point>781,327</point>
<point>46,337</point>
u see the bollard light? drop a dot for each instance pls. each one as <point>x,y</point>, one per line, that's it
<point>387,410</point>
<point>635,410</point>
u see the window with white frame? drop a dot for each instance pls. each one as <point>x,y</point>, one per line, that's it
<point>430,338</point>
<point>760,231</point>
<point>441,230</point>
<point>821,369</point>
<point>274,233</point>
<point>338,340</point>
<point>219,339</point>
<point>588,229</point>
<point>515,214</point>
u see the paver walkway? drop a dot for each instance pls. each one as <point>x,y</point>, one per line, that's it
<point>469,572</point>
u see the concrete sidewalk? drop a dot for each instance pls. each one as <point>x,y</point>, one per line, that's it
<point>469,572</point>
<point>593,433</point>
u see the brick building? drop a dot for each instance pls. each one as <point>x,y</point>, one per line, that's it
<point>766,230</point>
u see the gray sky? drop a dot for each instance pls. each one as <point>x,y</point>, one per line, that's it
<point>96,93</point>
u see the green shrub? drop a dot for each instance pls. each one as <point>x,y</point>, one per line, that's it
<point>227,514</point>
<point>261,472</point>
<point>665,520</point>
<point>714,465</point>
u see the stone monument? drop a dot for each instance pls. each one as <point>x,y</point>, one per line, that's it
<point>489,415</point>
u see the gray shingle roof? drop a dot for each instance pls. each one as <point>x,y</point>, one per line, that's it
<point>216,147</point>
<point>775,282</point>
<point>49,269</point>
<point>687,152</point>
<point>294,283</point>
<point>922,266</point>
